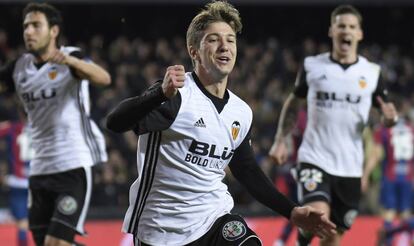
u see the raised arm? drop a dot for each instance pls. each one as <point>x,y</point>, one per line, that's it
<point>130,112</point>
<point>389,112</point>
<point>84,70</point>
<point>380,101</point>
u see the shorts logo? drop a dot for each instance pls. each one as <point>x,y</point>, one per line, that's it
<point>310,177</point>
<point>67,205</point>
<point>311,185</point>
<point>233,230</point>
<point>350,217</point>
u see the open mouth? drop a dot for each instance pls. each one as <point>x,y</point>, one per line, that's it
<point>346,41</point>
<point>223,59</point>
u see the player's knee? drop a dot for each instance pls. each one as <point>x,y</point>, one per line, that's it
<point>53,241</point>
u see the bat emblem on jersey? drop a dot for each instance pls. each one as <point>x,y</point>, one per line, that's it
<point>235,129</point>
<point>52,73</point>
<point>362,82</point>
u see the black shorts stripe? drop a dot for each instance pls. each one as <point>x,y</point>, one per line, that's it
<point>87,129</point>
<point>147,177</point>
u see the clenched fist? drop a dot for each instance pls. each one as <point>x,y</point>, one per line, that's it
<point>173,79</point>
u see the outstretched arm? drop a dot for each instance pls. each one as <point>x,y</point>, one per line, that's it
<point>246,170</point>
<point>312,220</point>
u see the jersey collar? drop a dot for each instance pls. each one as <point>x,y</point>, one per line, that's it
<point>344,66</point>
<point>219,103</point>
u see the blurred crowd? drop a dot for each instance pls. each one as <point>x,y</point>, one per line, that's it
<point>264,75</point>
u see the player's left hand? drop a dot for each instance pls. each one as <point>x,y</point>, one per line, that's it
<point>389,112</point>
<point>312,220</point>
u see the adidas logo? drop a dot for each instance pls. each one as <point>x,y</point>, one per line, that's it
<point>200,123</point>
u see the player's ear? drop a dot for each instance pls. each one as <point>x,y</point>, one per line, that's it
<point>193,51</point>
<point>330,32</point>
<point>54,30</point>
<point>360,35</point>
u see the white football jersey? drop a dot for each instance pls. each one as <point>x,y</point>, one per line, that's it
<point>57,105</point>
<point>179,192</point>
<point>339,101</point>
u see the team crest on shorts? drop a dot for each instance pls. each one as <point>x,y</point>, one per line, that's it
<point>310,185</point>
<point>233,230</point>
<point>67,205</point>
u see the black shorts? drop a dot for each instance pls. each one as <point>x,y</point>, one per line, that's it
<point>58,203</point>
<point>228,230</point>
<point>342,193</point>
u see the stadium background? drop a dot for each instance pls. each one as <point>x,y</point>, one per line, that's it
<point>137,40</point>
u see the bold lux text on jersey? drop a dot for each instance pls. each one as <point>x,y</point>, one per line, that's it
<point>204,154</point>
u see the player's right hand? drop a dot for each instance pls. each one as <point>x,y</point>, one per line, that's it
<point>312,220</point>
<point>279,152</point>
<point>173,79</point>
<point>58,57</point>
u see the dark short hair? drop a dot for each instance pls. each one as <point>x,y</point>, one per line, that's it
<point>346,9</point>
<point>215,11</point>
<point>53,16</point>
